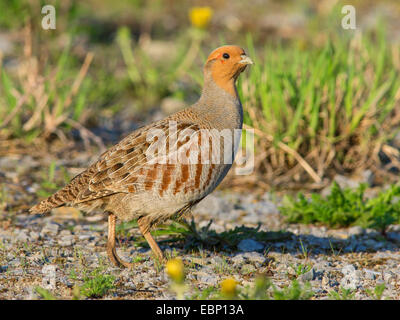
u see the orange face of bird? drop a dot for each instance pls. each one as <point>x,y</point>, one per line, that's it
<point>226,63</point>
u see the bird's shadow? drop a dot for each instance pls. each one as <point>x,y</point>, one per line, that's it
<point>304,245</point>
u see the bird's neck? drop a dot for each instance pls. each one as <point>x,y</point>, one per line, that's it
<point>222,107</point>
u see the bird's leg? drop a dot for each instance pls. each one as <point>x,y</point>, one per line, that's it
<point>111,251</point>
<point>144,229</point>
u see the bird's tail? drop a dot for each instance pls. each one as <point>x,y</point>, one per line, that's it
<point>66,195</point>
<point>56,200</point>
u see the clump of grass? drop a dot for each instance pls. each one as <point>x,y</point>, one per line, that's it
<point>345,207</point>
<point>45,294</point>
<point>37,100</point>
<point>97,284</point>
<point>333,106</point>
<point>342,294</point>
<point>300,269</point>
<point>293,292</point>
<point>377,293</point>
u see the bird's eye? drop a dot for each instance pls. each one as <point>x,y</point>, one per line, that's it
<point>226,56</point>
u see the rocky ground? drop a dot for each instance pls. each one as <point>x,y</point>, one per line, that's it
<point>63,250</point>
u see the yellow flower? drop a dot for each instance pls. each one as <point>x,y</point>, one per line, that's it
<point>175,269</point>
<point>228,287</point>
<point>200,16</point>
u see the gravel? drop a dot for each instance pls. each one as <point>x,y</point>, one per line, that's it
<point>58,251</point>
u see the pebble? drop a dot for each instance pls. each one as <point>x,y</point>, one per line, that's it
<point>250,245</point>
<point>254,257</point>
<point>355,231</point>
<point>50,228</point>
<point>22,236</point>
<point>371,274</point>
<point>388,276</point>
<point>348,269</point>
<point>394,236</point>
<point>208,278</point>
<point>238,259</point>
<point>34,235</point>
<point>66,241</point>
<point>351,281</point>
<point>217,260</point>
<point>308,276</point>
<point>248,268</point>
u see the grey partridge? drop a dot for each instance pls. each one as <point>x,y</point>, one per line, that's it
<point>161,170</point>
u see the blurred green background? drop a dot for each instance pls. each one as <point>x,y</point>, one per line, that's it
<point>323,100</point>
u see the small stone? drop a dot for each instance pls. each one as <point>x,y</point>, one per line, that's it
<point>65,281</point>
<point>15,262</point>
<point>371,274</point>
<point>238,259</point>
<point>368,177</point>
<point>66,241</point>
<point>325,281</point>
<point>250,245</point>
<point>34,235</point>
<point>217,260</point>
<point>370,243</point>
<point>350,281</point>
<point>65,233</point>
<point>254,257</point>
<point>6,44</point>
<point>22,236</point>
<point>84,237</point>
<point>248,268</point>
<point>345,182</point>
<point>208,278</point>
<point>308,276</point>
<point>348,269</point>
<point>355,231</point>
<point>361,248</point>
<point>50,228</point>
<point>394,236</point>
<point>321,266</point>
<point>388,276</point>
<point>251,218</point>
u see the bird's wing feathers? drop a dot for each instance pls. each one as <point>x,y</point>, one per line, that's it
<point>123,168</point>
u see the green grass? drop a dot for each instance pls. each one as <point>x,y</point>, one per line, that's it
<point>43,99</point>
<point>332,104</point>
<point>342,294</point>
<point>45,294</point>
<point>377,293</point>
<point>345,207</point>
<point>300,269</point>
<point>97,284</point>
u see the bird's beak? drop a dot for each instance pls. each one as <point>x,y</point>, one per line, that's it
<point>245,60</point>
